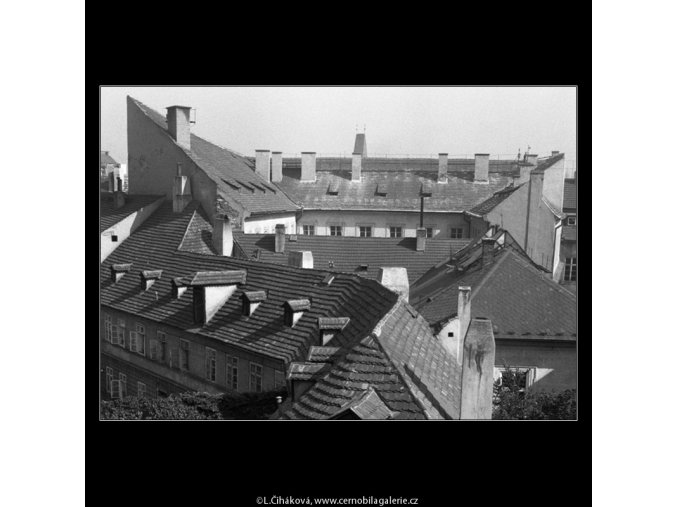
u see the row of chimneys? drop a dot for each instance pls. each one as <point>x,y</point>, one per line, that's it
<point>211,290</point>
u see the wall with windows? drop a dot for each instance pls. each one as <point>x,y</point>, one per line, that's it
<point>184,359</point>
<point>381,221</point>
<point>554,363</point>
<point>266,224</point>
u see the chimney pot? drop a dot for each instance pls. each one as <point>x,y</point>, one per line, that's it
<point>420,239</point>
<point>279,238</point>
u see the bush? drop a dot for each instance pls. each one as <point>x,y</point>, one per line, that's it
<point>193,406</point>
<point>512,401</point>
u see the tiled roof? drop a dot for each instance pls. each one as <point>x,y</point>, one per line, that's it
<point>111,216</point>
<point>486,206</point>
<point>403,190</point>
<point>233,173</point>
<point>198,236</point>
<point>520,300</point>
<point>347,254</point>
<point>154,246</point>
<point>319,354</point>
<point>401,361</point>
<point>208,278</point>
<point>569,195</point>
<point>547,163</point>
<point>333,322</point>
<point>106,159</point>
<point>368,406</point>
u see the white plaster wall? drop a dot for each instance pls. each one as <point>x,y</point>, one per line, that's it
<point>266,225</point>
<point>125,227</point>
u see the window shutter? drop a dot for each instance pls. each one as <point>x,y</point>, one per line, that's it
<point>153,349</point>
<point>115,389</point>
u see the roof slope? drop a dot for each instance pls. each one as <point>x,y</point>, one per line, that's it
<point>401,361</point>
<point>402,190</point>
<point>233,173</point>
<point>520,300</point>
<point>486,206</point>
<point>154,245</point>
<point>109,215</point>
<point>347,254</point>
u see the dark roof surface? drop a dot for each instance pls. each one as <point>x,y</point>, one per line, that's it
<point>569,195</point>
<point>493,201</point>
<point>106,159</point>
<point>348,253</point>
<point>520,300</point>
<point>547,163</point>
<point>111,216</point>
<point>403,190</point>
<point>154,246</point>
<point>368,406</point>
<point>233,173</point>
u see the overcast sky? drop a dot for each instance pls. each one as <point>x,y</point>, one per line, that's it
<point>398,120</point>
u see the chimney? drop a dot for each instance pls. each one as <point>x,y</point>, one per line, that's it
<point>178,124</point>
<point>148,278</point>
<point>111,181</point>
<point>277,166</point>
<point>532,158</point>
<point>119,198</point>
<point>442,171</point>
<point>251,300</point>
<point>477,377</point>
<point>356,170</point>
<point>463,314</point>
<point>330,327</point>
<point>263,164</point>
<point>420,239</point>
<point>181,192</point>
<point>481,167</point>
<point>279,238</point>
<point>117,271</point>
<point>222,236</point>
<point>211,289</point>
<point>488,251</point>
<point>361,144</point>
<point>396,280</point>
<point>308,166</point>
<point>293,310</point>
<point>301,259</point>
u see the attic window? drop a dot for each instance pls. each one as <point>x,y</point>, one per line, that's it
<point>251,301</point>
<point>179,286</point>
<point>363,267</point>
<point>330,327</point>
<point>148,278</point>
<point>114,238</point>
<point>117,271</point>
<point>293,310</point>
<point>293,237</point>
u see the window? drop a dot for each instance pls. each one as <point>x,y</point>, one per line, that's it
<point>231,372</point>
<point>158,347</point>
<point>571,220</point>
<point>335,230</point>
<point>140,389</point>
<point>456,233</point>
<point>109,378</point>
<point>365,231</point>
<point>108,328</point>
<point>137,340</point>
<point>396,232</point>
<point>570,268</point>
<point>309,230</point>
<point>123,385</point>
<point>184,355</point>
<point>255,377</point>
<point>428,232</point>
<point>279,379</point>
<point>210,364</point>
<point>115,389</point>
<point>118,333</point>
<point>114,238</point>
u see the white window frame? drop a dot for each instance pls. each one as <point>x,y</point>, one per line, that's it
<point>432,231</point>
<point>140,339</point>
<point>571,220</point>
<point>116,389</point>
<point>108,328</point>
<point>390,232</point>
<point>340,228</point>
<point>458,229</point>
<point>311,227</point>
<point>162,340</point>
<point>254,376</point>
<point>368,228</point>
<point>141,391</point>
<point>210,364</point>
<point>232,371</point>
<point>570,265</point>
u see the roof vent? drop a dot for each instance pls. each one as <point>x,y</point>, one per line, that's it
<point>293,237</point>
<point>117,271</point>
<point>251,301</point>
<point>333,188</point>
<point>328,278</point>
<point>363,267</point>
<point>381,189</point>
<point>293,310</point>
<point>148,278</point>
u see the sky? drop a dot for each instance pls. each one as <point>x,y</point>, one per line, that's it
<point>398,120</point>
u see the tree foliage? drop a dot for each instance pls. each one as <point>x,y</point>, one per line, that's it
<point>193,406</point>
<point>512,401</point>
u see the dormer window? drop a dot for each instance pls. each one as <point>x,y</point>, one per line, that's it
<point>330,327</point>
<point>179,286</point>
<point>148,278</point>
<point>571,220</point>
<point>293,310</point>
<point>251,301</point>
<point>117,271</point>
